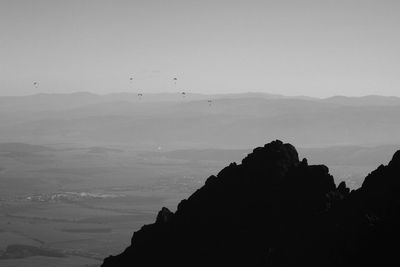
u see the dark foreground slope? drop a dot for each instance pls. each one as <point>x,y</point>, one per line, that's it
<point>274,210</point>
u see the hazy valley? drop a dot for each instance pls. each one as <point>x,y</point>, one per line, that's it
<point>80,172</point>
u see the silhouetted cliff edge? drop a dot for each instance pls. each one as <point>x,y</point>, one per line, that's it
<point>275,210</point>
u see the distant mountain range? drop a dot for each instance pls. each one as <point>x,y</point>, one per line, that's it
<point>370,100</point>
<point>274,209</point>
<point>174,121</point>
<point>61,101</point>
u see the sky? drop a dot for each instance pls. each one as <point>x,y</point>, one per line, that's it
<point>316,48</point>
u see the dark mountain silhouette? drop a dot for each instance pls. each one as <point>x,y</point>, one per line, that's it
<point>275,210</point>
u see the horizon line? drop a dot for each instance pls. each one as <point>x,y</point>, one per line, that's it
<point>200,94</point>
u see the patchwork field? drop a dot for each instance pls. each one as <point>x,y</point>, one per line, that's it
<point>72,206</point>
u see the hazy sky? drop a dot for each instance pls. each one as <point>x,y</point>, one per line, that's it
<point>315,48</point>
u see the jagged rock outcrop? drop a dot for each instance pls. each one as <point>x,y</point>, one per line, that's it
<point>164,216</point>
<point>275,210</point>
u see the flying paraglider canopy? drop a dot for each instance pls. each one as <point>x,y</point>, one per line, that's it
<point>36,84</point>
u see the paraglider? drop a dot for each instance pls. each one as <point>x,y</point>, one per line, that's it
<point>175,79</point>
<point>36,84</point>
<point>140,95</point>
<point>183,94</point>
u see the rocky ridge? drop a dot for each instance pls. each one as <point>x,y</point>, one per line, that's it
<point>276,210</point>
